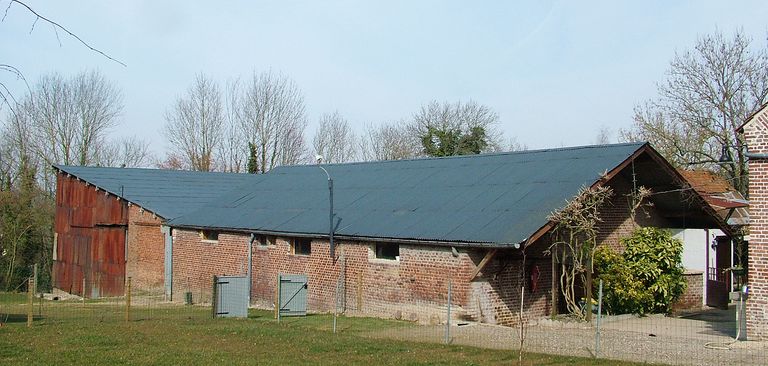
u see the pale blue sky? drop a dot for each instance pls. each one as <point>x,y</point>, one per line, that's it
<point>555,71</point>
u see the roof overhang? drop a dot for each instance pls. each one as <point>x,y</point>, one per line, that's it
<point>61,170</point>
<point>460,244</point>
<point>683,206</point>
<point>751,117</point>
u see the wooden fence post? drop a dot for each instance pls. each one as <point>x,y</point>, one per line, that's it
<point>30,305</point>
<point>214,294</point>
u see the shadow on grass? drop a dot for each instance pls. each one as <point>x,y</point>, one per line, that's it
<point>18,318</point>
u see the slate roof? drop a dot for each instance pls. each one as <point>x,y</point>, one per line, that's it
<point>167,193</point>
<point>490,199</point>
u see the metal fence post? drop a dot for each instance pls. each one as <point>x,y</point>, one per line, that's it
<point>128,300</point>
<point>599,316</point>
<point>448,315</point>
<point>30,305</point>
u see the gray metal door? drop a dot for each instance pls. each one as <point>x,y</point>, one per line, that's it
<point>293,295</point>
<point>230,294</point>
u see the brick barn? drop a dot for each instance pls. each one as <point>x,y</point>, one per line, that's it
<point>109,224</point>
<point>404,228</point>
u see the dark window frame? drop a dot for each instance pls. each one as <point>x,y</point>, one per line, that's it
<point>209,235</point>
<point>387,251</point>
<point>267,240</point>
<point>301,246</point>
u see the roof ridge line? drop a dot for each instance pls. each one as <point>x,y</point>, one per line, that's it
<point>503,153</point>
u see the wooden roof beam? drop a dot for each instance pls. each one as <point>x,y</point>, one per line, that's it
<point>488,256</point>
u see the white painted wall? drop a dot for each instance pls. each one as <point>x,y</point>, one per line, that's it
<point>696,244</point>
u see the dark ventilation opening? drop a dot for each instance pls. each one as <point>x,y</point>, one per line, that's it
<point>209,235</point>
<point>387,251</point>
<point>302,246</point>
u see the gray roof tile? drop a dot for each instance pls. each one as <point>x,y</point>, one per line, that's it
<point>490,198</point>
<point>168,193</point>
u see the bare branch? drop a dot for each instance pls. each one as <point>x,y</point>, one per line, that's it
<point>335,140</point>
<point>389,141</point>
<point>57,26</point>
<point>708,92</point>
<point>271,115</point>
<point>195,125</point>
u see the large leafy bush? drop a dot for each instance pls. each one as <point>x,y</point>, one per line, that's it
<point>647,277</point>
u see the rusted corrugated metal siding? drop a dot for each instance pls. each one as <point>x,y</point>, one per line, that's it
<point>90,228</point>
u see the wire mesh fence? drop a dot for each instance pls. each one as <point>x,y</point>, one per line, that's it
<point>39,307</point>
<point>694,337</point>
<point>698,336</point>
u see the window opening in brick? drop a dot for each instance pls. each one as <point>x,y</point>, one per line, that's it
<point>210,235</point>
<point>302,246</point>
<point>266,240</point>
<point>387,251</point>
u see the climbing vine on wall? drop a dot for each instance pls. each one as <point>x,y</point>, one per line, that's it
<point>575,241</point>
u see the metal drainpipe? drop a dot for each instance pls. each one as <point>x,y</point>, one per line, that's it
<point>756,156</point>
<point>250,265</point>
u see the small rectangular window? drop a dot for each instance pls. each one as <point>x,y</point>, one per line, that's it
<point>387,251</point>
<point>266,240</point>
<point>302,246</point>
<point>209,235</point>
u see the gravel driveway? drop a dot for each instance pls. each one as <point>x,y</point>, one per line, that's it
<point>653,339</point>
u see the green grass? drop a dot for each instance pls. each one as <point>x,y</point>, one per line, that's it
<point>187,336</point>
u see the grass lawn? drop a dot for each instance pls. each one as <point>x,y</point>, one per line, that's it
<point>180,336</point>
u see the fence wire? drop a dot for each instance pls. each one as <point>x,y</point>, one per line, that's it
<point>56,306</point>
<point>698,336</point>
<point>695,337</point>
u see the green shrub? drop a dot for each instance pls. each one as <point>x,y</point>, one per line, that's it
<point>647,277</point>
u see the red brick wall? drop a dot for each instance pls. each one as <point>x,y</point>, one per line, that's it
<point>617,222</point>
<point>196,261</point>
<point>496,294</point>
<point>693,297</point>
<point>756,136</point>
<point>146,248</point>
<point>413,288</point>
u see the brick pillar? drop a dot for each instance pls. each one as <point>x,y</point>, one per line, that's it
<point>756,136</point>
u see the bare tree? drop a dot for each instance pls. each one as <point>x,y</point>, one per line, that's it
<point>335,140</point>
<point>171,161</point>
<point>389,141</point>
<point>125,152</point>
<point>71,117</point>
<point>707,94</point>
<point>15,147</point>
<point>63,121</point>
<point>515,145</point>
<point>195,125</point>
<point>604,135</point>
<point>233,152</point>
<point>460,117</point>
<point>271,115</point>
